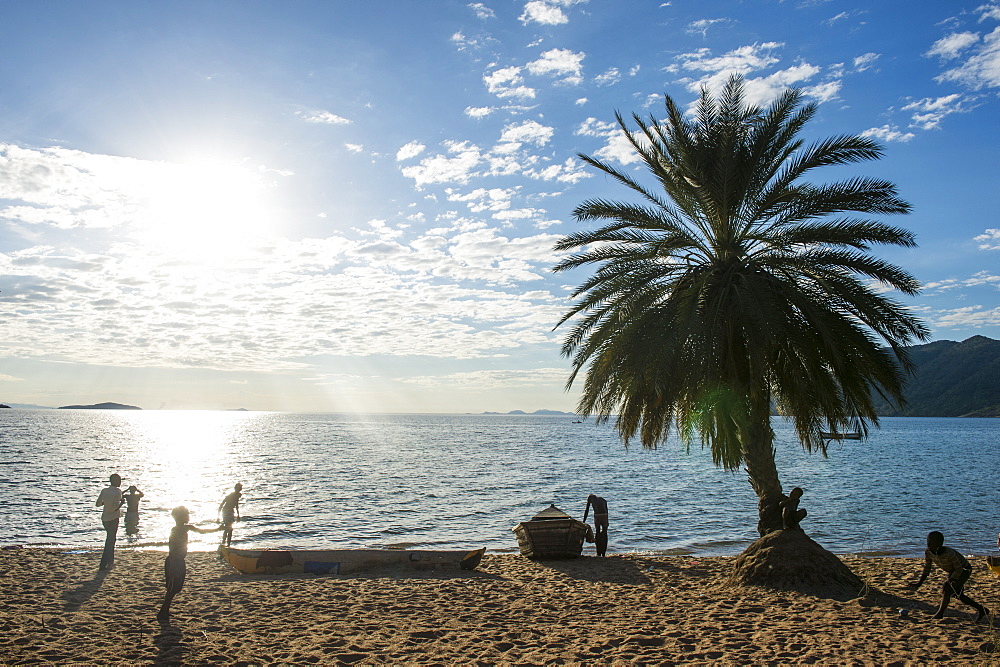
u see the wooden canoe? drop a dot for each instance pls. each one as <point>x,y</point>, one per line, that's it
<point>551,534</point>
<point>830,435</point>
<point>345,561</point>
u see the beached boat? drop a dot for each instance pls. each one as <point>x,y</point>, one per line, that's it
<point>832,435</point>
<point>344,561</point>
<point>551,534</point>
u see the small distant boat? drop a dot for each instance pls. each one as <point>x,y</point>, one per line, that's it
<point>551,534</point>
<point>833,435</point>
<point>344,561</point>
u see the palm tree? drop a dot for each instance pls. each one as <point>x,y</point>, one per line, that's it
<point>736,286</point>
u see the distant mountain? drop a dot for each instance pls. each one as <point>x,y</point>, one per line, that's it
<point>952,380</point>
<point>28,406</point>
<point>100,406</point>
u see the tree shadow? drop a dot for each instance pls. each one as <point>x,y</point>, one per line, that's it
<point>169,643</point>
<point>79,595</point>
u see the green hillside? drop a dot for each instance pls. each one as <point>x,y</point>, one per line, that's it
<point>952,380</point>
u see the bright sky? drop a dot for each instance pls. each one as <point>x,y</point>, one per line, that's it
<point>341,205</point>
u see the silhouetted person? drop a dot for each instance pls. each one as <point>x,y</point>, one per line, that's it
<point>175,566</point>
<point>132,497</point>
<point>958,570</point>
<point>790,512</point>
<point>230,509</point>
<point>111,500</point>
<point>600,506</point>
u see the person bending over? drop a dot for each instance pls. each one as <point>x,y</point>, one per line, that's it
<point>958,570</point>
<point>175,566</point>
<point>600,506</point>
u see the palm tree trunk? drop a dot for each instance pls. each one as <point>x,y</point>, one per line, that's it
<point>759,458</point>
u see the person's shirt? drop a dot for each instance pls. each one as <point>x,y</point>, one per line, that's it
<point>111,501</point>
<point>178,542</point>
<point>948,560</point>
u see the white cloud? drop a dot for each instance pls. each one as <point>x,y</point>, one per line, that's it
<point>546,12</point>
<point>989,240</point>
<point>324,117</point>
<point>506,82</point>
<point>970,316</point>
<point>559,62</point>
<point>951,46</point>
<point>444,169</point>
<point>929,112</point>
<point>608,78</point>
<point>592,127</point>
<point>865,61</point>
<point>482,11</point>
<point>989,11</point>
<point>581,101</point>
<point>823,92</point>
<point>982,68</point>
<point>478,112</point>
<point>742,60</point>
<point>887,133</point>
<point>701,26</point>
<point>483,199</point>
<point>618,149</point>
<point>529,131</point>
<point>354,148</point>
<point>570,171</point>
<point>410,150</point>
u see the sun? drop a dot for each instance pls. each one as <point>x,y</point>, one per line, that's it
<point>204,209</point>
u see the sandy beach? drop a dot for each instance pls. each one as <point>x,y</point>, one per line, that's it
<point>618,610</point>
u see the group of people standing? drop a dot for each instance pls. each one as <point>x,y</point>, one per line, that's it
<point>111,500</point>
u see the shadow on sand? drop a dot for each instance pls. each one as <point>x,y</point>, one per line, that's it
<point>79,595</point>
<point>169,643</point>
<point>611,569</point>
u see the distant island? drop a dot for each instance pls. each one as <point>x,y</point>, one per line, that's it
<point>4,406</point>
<point>100,406</point>
<point>536,412</point>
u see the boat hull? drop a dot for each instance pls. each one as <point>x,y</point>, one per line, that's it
<point>345,561</point>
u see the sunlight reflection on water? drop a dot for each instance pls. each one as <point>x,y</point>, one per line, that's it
<point>440,481</point>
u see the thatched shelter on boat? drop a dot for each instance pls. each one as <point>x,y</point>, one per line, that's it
<point>551,534</point>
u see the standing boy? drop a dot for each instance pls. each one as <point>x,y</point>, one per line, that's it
<point>958,570</point>
<point>175,566</point>
<point>230,509</point>
<point>111,500</point>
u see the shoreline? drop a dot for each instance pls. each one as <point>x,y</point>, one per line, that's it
<point>621,609</point>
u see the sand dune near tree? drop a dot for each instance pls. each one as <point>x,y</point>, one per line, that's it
<point>622,609</point>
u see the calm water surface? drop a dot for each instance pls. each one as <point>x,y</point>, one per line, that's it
<point>455,481</point>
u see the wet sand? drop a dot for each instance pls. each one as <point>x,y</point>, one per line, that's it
<point>624,609</point>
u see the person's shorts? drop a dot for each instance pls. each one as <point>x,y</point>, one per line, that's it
<point>228,518</point>
<point>958,581</point>
<point>175,570</point>
<point>601,520</point>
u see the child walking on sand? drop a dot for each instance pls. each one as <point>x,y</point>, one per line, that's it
<point>175,567</point>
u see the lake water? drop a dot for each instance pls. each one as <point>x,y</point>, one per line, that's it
<point>457,481</point>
